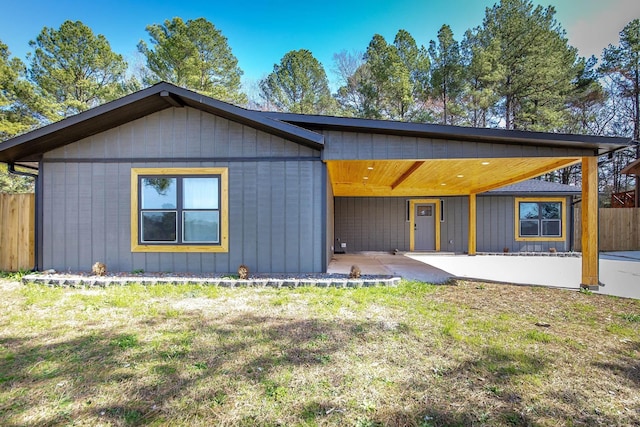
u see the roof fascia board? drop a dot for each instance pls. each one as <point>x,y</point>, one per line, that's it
<point>78,118</point>
<point>603,144</point>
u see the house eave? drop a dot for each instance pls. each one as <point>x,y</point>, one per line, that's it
<point>599,144</point>
<point>31,146</point>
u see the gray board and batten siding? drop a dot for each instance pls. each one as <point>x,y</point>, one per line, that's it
<point>277,192</point>
<point>381,224</point>
<point>342,145</point>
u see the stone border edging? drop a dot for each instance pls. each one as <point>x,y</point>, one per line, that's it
<point>551,254</point>
<point>95,281</point>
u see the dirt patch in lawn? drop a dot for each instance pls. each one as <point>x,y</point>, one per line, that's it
<point>415,354</point>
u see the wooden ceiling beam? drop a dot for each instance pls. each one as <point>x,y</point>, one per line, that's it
<point>414,167</point>
<point>548,167</point>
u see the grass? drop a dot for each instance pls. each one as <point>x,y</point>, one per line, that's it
<point>414,355</point>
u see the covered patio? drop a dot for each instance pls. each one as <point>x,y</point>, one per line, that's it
<point>373,158</point>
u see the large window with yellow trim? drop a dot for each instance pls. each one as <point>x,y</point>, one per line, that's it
<point>179,209</point>
<point>540,219</point>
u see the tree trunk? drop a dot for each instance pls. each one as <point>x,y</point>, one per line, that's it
<point>636,129</point>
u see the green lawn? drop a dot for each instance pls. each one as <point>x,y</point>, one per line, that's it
<point>416,355</point>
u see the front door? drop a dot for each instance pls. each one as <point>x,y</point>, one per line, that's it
<point>424,227</point>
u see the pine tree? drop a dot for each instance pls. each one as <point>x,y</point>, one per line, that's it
<point>298,84</point>
<point>194,55</point>
<point>536,64</point>
<point>391,82</point>
<point>622,63</point>
<point>388,89</point>
<point>416,60</point>
<point>446,74</point>
<point>16,96</point>
<point>75,69</point>
<point>482,74</point>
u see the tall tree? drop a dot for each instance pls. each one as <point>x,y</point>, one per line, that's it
<point>446,73</point>
<point>584,103</point>
<point>16,95</point>
<point>538,64</point>
<point>298,84</point>
<point>622,63</point>
<point>482,73</point>
<point>76,69</point>
<point>195,55</point>
<point>585,99</point>
<point>21,110</point>
<point>416,60</point>
<point>391,81</point>
<point>350,70</point>
<point>388,89</point>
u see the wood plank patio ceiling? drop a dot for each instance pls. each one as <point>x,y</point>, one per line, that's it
<point>450,177</point>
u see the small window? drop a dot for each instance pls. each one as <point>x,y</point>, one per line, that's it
<point>408,211</point>
<point>181,210</point>
<point>425,210</point>
<point>540,219</point>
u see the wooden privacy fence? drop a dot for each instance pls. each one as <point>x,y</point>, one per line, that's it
<point>619,229</point>
<point>17,231</point>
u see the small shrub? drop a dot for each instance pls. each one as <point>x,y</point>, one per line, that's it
<point>243,272</point>
<point>355,272</point>
<point>99,269</point>
<point>14,275</point>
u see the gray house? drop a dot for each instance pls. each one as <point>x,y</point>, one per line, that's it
<point>166,179</point>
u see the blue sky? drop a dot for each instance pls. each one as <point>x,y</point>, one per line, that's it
<point>261,32</point>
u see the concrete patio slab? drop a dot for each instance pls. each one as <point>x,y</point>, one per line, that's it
<point>619,278</point>
<point>388,264</point>
<point>619,271</point>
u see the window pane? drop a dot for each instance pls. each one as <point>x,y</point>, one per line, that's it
<point>200,226</point>
<point>158,226</point>
<point>528,228</point>
<point>159,193</point>
<point>200,193</point>
<point>550,210</point>
<point>528,210</point>
<point>551,228</point>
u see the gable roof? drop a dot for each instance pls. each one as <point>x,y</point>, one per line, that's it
<point>299,128</point>
<point>600,144</point>
<point>32,145</point>
<point>535,186</point>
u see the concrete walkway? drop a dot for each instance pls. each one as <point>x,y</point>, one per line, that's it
<point>387,264</point>
<point>619,271</point>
